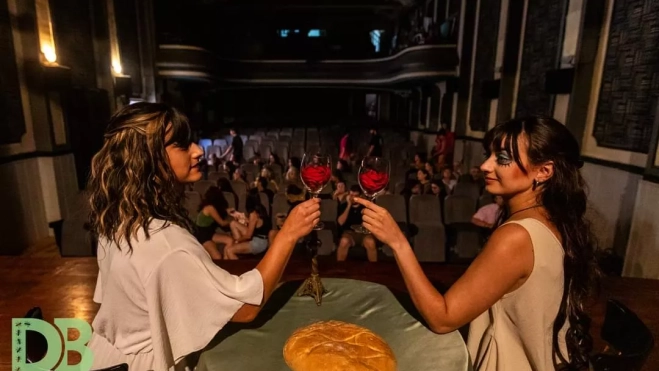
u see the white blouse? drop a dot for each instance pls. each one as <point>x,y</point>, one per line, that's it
<point>163,301</point>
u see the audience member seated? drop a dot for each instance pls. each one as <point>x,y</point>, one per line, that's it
<point>240,176</point>
<point>430,168</point>
<point>437,189</point>
<point>487,216</point>
<point>448,180</point>
<point>213,212</point>
<point>477,177</point>
<point>350,214</point>
<point>275,160</point>
<point>292,176</point>
<point>266,173</point>
<point>424,179</point>
<point>294,162</point>
<point>256,160</point>
<point>341,192</point>
<point>252,237</point>
<point>457,169</point>
<point>225,186</point>
<point>418,164</point>
<point>419,161</point>
<point>261,184</point>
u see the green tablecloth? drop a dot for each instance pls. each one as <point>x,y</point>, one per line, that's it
<point>259,345</point>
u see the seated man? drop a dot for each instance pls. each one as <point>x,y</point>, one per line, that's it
<point>350,214</point>
<point>487,215</point>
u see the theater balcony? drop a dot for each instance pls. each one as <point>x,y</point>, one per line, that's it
<point>412,66</point>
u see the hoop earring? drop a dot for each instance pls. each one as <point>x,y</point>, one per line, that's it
<point>535,184</point>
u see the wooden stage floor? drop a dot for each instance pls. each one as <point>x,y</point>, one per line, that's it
<point>63,288</point>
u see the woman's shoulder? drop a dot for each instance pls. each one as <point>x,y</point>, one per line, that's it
<point>538,227</point>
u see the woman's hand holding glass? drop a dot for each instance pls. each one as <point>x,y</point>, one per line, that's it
<point>301,220</point>
<point>381,224</point>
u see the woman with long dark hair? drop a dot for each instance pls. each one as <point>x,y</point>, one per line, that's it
<point>162,297</point>
<point>213,212</point>
<point>525,293</point>
<point>253,237</point>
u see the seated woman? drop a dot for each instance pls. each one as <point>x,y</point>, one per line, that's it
<point>448,180</point>
<point>430,168</point>
<point>274,160</point>
<point>212,213</point>
<point>294,162</point>
<point>162,297</point>
<point>341,192</point>
<point>266,173</point>
<point>253,237</point>
<point>418,164</point>
<point>240,176</point>
<point>437,189</point>
<point>424,179</point>
<point>524,294</point>
<point>487,216</point>
<point>293,177</point>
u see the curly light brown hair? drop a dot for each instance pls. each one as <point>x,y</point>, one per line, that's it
<point>131,182</point>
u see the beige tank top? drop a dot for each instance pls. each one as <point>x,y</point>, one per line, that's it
<point>515,334</point>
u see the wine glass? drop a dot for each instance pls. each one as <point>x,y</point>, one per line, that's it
<point>373,179</point>
<point>316,171</point>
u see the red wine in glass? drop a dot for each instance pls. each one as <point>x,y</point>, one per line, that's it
<point>316,171</point>
<point>373,179</point>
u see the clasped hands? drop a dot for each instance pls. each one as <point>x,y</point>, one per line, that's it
<point>376,219</point>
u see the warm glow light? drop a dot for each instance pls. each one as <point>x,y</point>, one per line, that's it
<point>49,53</point>
<point>116,67</point>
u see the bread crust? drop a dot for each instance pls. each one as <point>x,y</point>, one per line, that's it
<point>337,346</point>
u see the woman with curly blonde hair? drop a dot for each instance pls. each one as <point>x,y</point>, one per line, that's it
<point>161,295</point>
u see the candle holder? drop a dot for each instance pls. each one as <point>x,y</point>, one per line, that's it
<point>313,286</point>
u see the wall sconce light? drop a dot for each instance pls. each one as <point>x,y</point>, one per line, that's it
<point>116,67</point>
<point>49,53</point>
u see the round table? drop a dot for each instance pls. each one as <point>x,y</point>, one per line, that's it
<point>259,345</point>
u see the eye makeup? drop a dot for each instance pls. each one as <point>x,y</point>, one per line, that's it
<point>503,158</point>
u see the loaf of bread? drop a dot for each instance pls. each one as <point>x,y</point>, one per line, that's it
<point>337,346</point>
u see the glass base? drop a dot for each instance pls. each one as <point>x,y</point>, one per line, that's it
<point>362,230</point>
<point>319,226</point>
